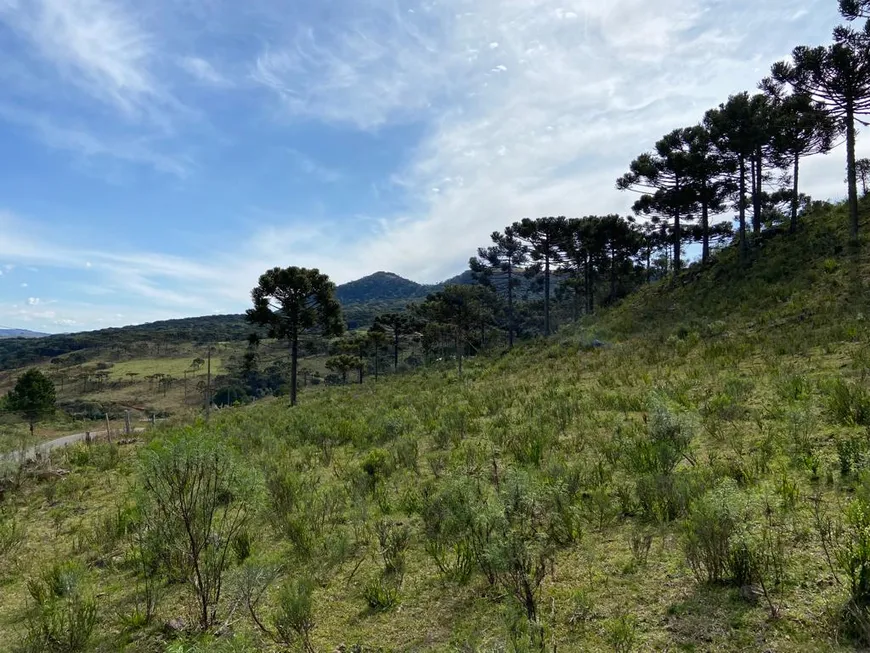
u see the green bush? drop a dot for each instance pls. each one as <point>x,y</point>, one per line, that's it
<point>621,633</point>
<point>63,616</point>
<point>852,552</point>
<point>302,508</point>
<point>11,535</point>
<point>847,402</point>
<point>381,593</point>
<point>294,618</point>
<point>712,533</point>
<point>193,484</point>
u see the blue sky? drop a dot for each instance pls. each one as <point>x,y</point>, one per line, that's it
<point>158,156</point>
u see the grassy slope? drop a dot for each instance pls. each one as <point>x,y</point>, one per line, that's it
<point>744,357</point>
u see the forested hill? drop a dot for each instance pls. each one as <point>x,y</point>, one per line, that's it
<point>380,286</point>
<point>386,287</point>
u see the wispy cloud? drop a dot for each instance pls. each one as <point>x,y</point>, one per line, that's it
<point>84,143</point>
<point>97,44</point>
<point>311,168</point>
<point>375,66</point>
<point>203,71</point>
<point>532,108</point>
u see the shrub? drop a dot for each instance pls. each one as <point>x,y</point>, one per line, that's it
<point>519,555</point>
<point>667,442</point>
<point>302,507</point>
<point>393,540</point>
<point>711,532</point>
<point>852,452</point>
<point>847,403</point>
<point>11,535</point>
<point>852,552</point>
<point>381,593</point>
<point>582,608</point>
<point>621,633</point>
<point>294,618</point>
<point>63,616</point>
<point>193,484</point>
<point>242,545</point>
<point>457,524</point>
<point>376,466</point>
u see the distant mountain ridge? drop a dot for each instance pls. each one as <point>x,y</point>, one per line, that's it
<point>20,333</point>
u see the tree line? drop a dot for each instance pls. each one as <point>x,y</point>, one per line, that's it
<point>741,161</point>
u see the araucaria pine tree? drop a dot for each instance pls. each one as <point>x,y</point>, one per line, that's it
<point>837,76</point>
<point>505,256</point>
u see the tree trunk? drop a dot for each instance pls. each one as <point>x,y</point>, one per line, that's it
<point>741,201</point>
<point>851,172</point>
<point>395,350</point>
<point>510,273</point>
<point>756,193</point>
<point>678,262</point>
<point>705,224</point>
<point>294,364</point>
<point>459,350</point>
<point>612,274</point>
<point>590,295</point>
<point>547,289</point>
<point>794,200</point>
<point>376,364</point>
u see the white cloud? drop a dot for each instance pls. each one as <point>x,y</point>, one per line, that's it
<point>525,108</point>
<point>96,44</point>
<point>542,124</point>
<point>33,301</point>
<point>24,285</point>
<point>203,71</point>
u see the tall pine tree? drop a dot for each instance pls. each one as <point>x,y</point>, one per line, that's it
<point>543,237</point>
<point>507,253</point>
<point>837,76</point>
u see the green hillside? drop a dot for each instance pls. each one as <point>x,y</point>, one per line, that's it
<point>684,471</point>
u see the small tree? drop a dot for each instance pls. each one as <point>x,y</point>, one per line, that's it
<point>292,302</point>
<point>396,325</point>
<point>343,364</point>
<point>377,337</point>
<point>196,497</point>
<point>33,397</point>
<point>862,169</point>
